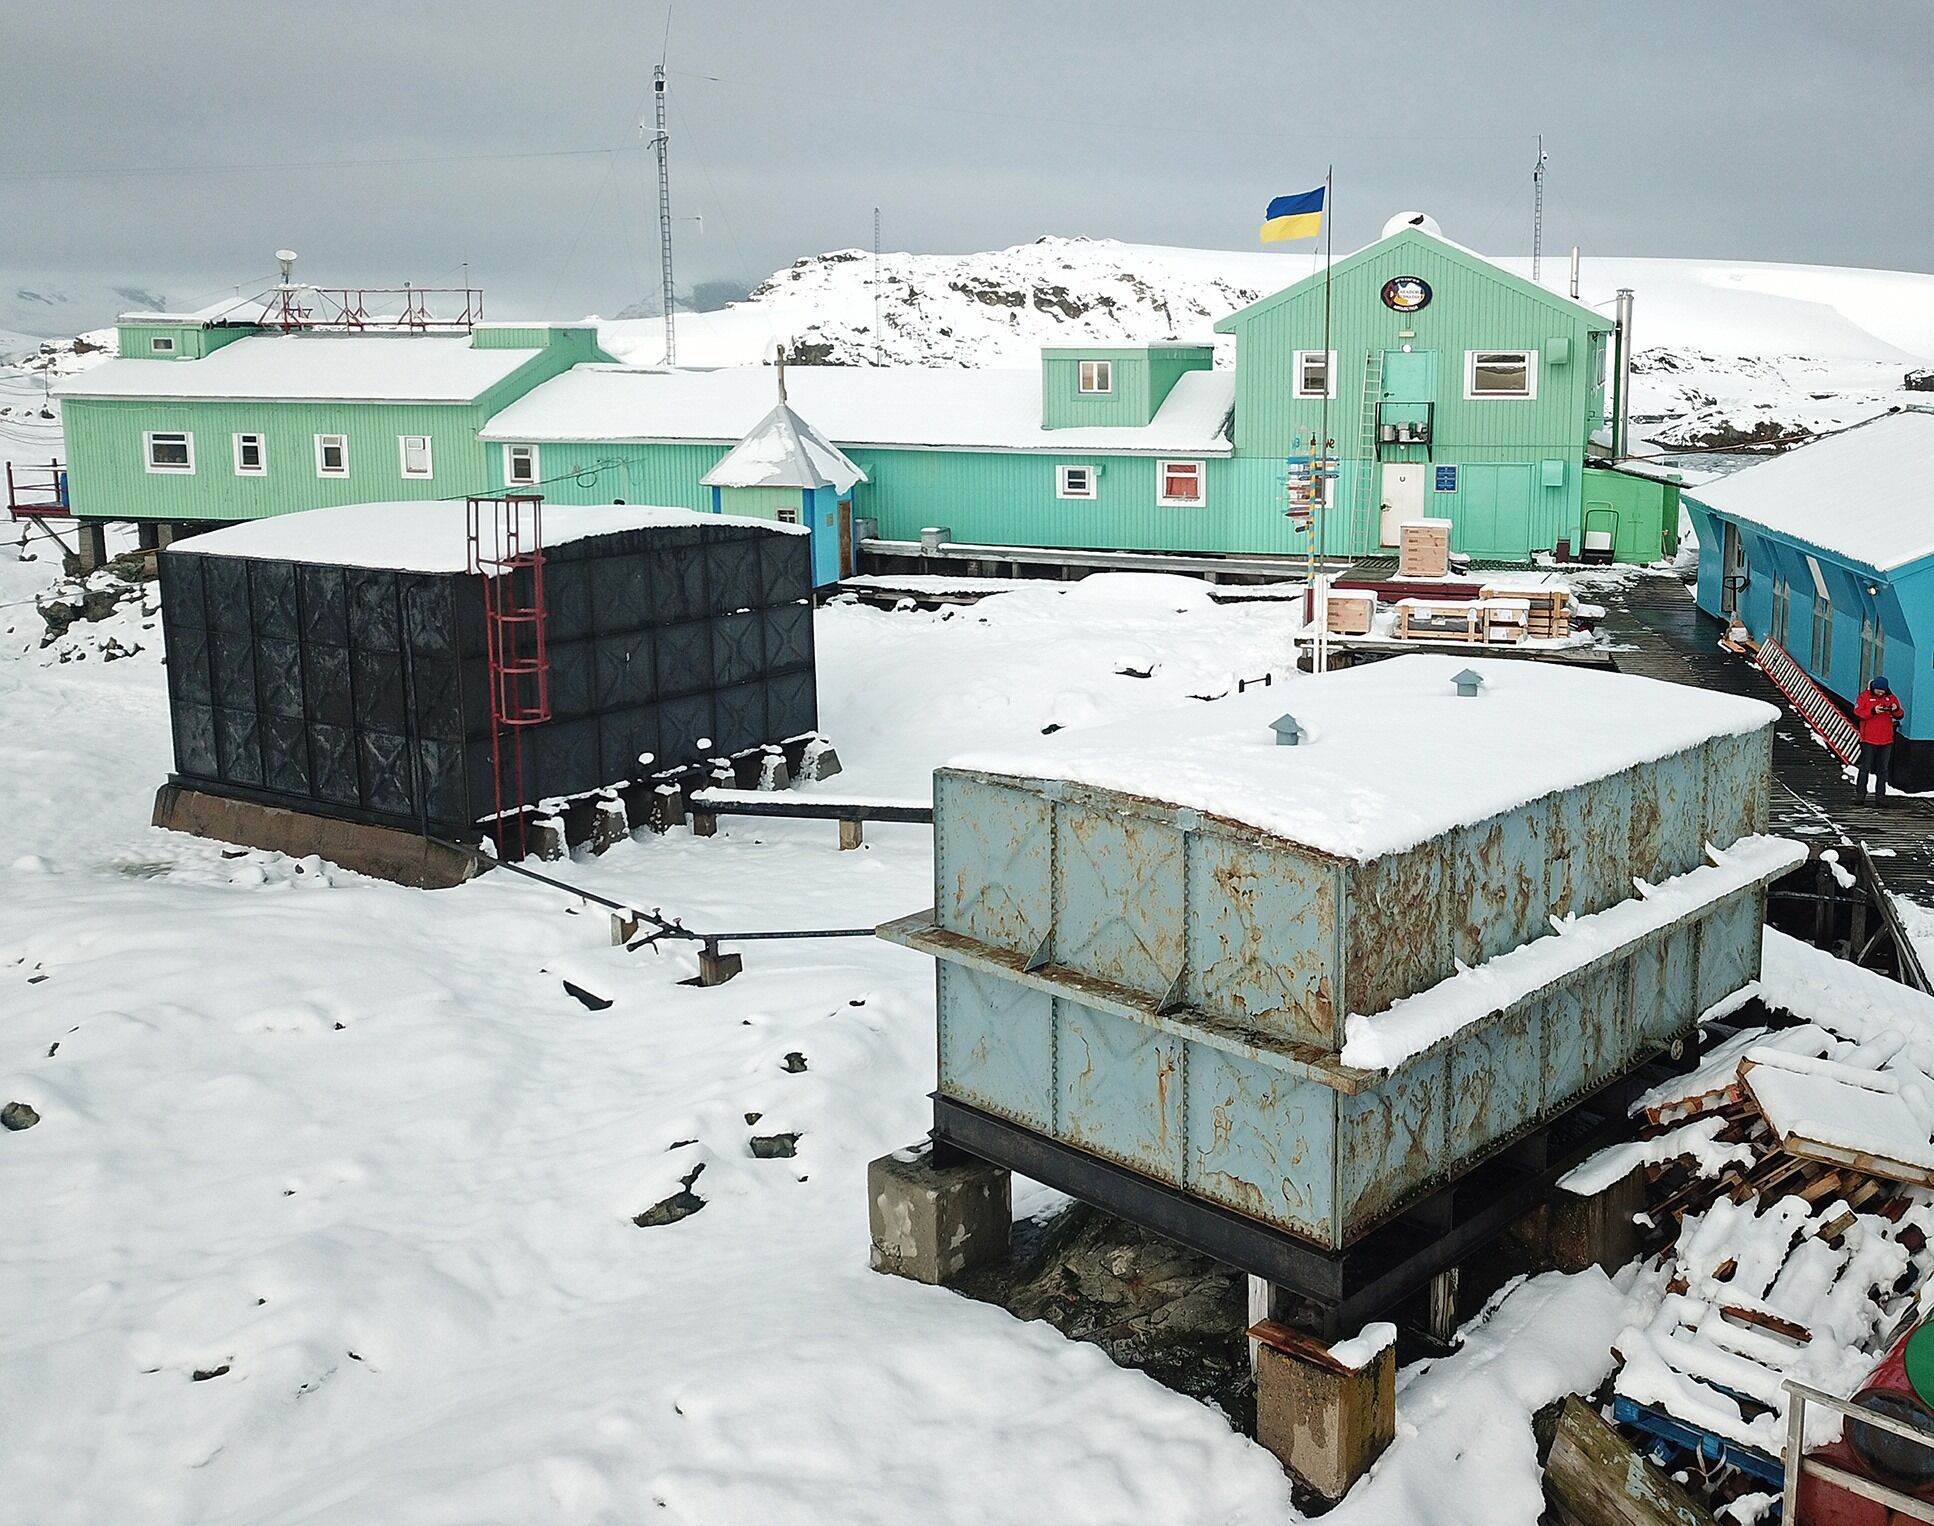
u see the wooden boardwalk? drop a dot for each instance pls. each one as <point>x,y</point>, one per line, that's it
<point>1658,631</point>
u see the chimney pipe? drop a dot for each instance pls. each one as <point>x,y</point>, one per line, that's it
<point>1574,272</point>
<point>1622,421</point>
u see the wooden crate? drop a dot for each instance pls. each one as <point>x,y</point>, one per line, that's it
<point>1435,620</point>
<point>1503,621</point>
<point>1423,548</point>
<point>1350,612</point>
<point>1547,610</point>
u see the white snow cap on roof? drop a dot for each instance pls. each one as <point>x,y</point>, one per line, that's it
<point>1391,756</point>
<point>403,368</point>
<point>783,450</point>
<point>911,406</point>
<point>1866,493</point>
<point>427,535</point>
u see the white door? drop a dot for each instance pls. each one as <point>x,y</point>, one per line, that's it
<point>1403,497</point>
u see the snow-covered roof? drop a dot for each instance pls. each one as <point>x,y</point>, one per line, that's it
<point>783,450</point>
<point>1866,493</point>
<point>1391,756</point>
<point>915,407</point>
<point>352,368</point>
<point>427,535</point>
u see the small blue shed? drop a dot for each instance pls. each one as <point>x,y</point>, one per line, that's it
<point>1828,550</point>
<point>785,470</point>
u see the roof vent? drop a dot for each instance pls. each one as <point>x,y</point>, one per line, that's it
<point>1467,682</point>
<point>1288,732</point>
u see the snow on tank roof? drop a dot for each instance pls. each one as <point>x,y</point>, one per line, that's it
<point>914,406</point>
<point>1391,756</point>
<point>1866,493</point>
<point>420,536</point>
<point>418,368</point>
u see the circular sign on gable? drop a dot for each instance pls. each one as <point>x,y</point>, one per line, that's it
<point>1405,294</point>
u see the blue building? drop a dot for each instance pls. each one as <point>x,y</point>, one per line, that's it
<point>785,470</point>
<point>1828,550</point>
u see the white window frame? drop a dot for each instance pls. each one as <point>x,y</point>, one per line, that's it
<point>786,516</point>
<point>1162,471</point>
<point>342,443</point>
<point>169,469</point>
<point>261,467</point>
<point>1094,377</point>
<point>511,479</point>
<point>1297,388</point>
<point>1063,486</point>
<point>1530,393</point>
<point>403,456</point>
<point>162,344</point>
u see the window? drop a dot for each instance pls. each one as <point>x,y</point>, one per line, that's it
<point>1823,639</point>
<point>171,452</point>
<point>520,465</point>
<point>161,344</point>
<point>1074,482</point>
<point>1097,376</point>
<point>1315,373</point>
<point>251,460</point>
<point>1873,649</point>
<point>1782,609</point>
<point>1178,484</point>
<point>786,516</point>
<point>414,449</point>
<point>1500,373</point>
<point>332,455</point>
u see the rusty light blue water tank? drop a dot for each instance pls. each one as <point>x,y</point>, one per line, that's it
<point>1313,983</point>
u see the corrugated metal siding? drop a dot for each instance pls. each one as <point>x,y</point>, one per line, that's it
<point>108,476</point>
<point>1065,406</point>
<point>1470,309</point>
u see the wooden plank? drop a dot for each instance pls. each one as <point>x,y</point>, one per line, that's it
<point>1596,1476</point>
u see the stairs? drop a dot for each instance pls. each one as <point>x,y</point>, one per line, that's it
<point>1814,705</point>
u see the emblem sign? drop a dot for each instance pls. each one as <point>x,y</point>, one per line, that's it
<point>1405,294</point>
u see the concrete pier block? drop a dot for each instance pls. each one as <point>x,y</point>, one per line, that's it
<point>544,839</point>
<point>931,1223</point>
<point>704,824</point>
<point>852,834</point>
<point>667,808</point>
<point>1596,1229</point>
<point>608,825</point>
<point>715,968</point>
<point>1327,1418</point>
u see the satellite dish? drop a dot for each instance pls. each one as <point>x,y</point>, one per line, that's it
<point>286,259</point>
<point>1420,220</point>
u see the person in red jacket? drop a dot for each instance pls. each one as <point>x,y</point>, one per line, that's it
<point>1878,713</point>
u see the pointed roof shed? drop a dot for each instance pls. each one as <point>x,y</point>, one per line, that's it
<point>783,450</point>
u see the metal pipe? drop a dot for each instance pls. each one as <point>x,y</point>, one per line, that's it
<point>1622,419</point>
<point>1574,272</point>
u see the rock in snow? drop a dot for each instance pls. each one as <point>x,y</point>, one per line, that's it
<point>16,1116</point>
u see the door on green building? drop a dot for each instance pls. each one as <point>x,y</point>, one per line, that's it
<point>1493,517</point>
<point>1410,376</point>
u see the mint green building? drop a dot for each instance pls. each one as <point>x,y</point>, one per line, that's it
<point>1448,388</point>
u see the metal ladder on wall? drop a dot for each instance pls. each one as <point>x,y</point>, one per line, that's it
<point>506,549</point>
<point>1813,703</point>
<point>1365,505</point>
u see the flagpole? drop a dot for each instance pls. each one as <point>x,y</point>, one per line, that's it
<point>1320,592</point>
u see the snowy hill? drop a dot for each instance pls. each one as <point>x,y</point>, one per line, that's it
<point>1725,348</point>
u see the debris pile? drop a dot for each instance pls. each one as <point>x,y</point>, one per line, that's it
<point>1790,1181</point>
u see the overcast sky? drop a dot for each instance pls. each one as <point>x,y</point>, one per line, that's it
<point>173,146</point>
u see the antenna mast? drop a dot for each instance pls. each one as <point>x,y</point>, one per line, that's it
<point>877,353</point>
<point>1537,210</point>
<point>661,140</point>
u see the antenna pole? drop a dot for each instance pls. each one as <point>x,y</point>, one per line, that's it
<point>1538,211</point>
<point>877,336</point>
<point>661,141</point>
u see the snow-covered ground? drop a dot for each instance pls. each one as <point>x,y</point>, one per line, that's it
<point>328,1213</point>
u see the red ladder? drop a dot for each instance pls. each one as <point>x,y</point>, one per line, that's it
<point>1815,706</point>
<point>506,549</point>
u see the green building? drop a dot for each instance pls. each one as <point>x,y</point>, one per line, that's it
<point>1449,388</point>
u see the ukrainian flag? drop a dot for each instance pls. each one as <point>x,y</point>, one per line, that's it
<point>1293,216</point>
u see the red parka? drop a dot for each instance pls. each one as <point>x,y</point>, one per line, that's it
<point>1877,714</point>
